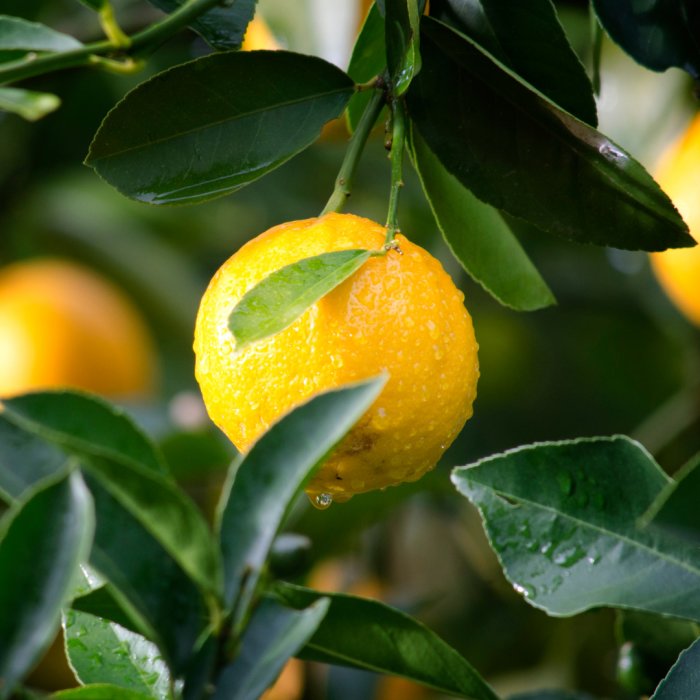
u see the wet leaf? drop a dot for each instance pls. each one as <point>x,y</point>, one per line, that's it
<point>479,237</point>
<point>402,36</point>
<point>246,113</point>
<point>518,152</point>
<point>263,484</point>
<point>102,602</point>
<point>18,34</point>
<point>683,680</point>
<point>103,652</point>
<point>563,520</point>
<point>274,634</point>
<point>99,692</point>
<point>279,299</point>
<point>30,105</point>
<point>366,634</point>
<point>42,542</point>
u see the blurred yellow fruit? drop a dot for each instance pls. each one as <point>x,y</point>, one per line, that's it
<point>258,36</point>
<point>678,270</point>
<point>61,325</point>
<point>400,313</point>
<point>289,685</point>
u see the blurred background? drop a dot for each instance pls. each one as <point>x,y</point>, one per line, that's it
<point>93,286</point>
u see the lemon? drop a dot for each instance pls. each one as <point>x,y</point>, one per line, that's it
<point>678,271</point>
<point>61,325</point>
<point>399,313</point>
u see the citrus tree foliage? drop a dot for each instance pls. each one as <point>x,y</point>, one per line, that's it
<point>493,109</point>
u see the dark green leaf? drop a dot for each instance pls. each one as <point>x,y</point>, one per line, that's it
<point>147,582</point>
<point>42,542</point>
<point>683,680</point>
<point>96,5</point>
<point>245,114</point>
<point>551,695</point>
<point>479,237</point>
<point>28,104</point>
<point>263,484</point>
<point>102,602</point>
<point>85,425</point>
<point>103,652</point>
<point>99,692</point>
<point>274,634</point>
<point>658,34</point>
<point>562,518</point>
<point>279,299</point>
<point>367,61</point>
<point>517,151</point>
<point>221,27</point>
<point>18,34</point>
<point>402,34</point>
<point>366,634</point>
<point>527,37</point>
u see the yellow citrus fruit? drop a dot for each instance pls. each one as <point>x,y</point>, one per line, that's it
<point>289,685</point>
<point>399,313</point>
<point>61,325</point>
<point>259,36</point>
<point>678,270</point>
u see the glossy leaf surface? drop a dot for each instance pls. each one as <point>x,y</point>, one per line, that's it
<point>246,113</point>
<point>30,105</point>
<point>263,484</point>
<point>274,634</point>
<point>280,298</point>
<point>518,152</point>
<point>479,237</point>
<point>42,542</point>
<point>99,691</point>
<point>17,34</point>
<point>527,37</point>
<point>563,520</point>
<point>402,35</point>
<point>658,34</point>
<point>683,680</point>
<point>102,602</point>
<point>367,634</point>
<point>221,27</point>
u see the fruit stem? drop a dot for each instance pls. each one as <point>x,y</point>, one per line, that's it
<point>398,139</point>
<point>343,183</point>
<point>111,28</point>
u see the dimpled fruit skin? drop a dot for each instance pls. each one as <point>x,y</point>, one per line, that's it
<point>399,314</point>
<point>678,271</point>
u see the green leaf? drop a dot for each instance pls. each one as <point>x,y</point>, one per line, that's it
<point>366,634</point>
<point>274,634</point>
<point>279,299</point>
<point>517,151</point>
<point>246,113</point>
<point>563,520</point>
<point>402,34</point>
<point>99,692</point>
<point>658,35</point>
<point>367,61</point>
<point>103,652</point>
<point>479,237</point>
<point>683,680</point>
<point>527,37</point>
<point>147,582</point>
<point>96,5</point>
<point>42,542</point>
<point>103,602</point>
<point>28,104</point>
<point>222,27</point>
<point>84,425</point>
<point>263,484</point>
<point>551,695</point>
<point>18,34</point>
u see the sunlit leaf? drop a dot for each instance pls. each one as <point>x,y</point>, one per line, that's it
<point>30,105</point>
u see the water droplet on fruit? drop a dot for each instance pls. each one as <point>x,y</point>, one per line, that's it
<point>323,501</point>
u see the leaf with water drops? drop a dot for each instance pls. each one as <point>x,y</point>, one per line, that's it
<point>683,680</point>
<point>263,485</point>
<point>402,34</point>
<point>100,651</point>
<point>563,520</point>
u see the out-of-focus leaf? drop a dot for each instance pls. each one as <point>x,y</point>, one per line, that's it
<point>246,113</point>
<point>42,542</point>
<point>366,634</point>
<point>221,27</point>
<point>30,105</point>
<point>85,425</point>
<point>281,297</point>
<point>402,35</point>
<point>101,602</point>
<point>551,695</point>
<point>368,60</point>
<point>96,5</point>
<point>658,34</point>
<point>263,484</point>
<point>520,153</point>
<point>274,634</point>
<point>479,237</point>
<point>17,34</point>
<point>683,680</point>
<point>563,520</point>
<point>527,37</point>
<point>100,651</point>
